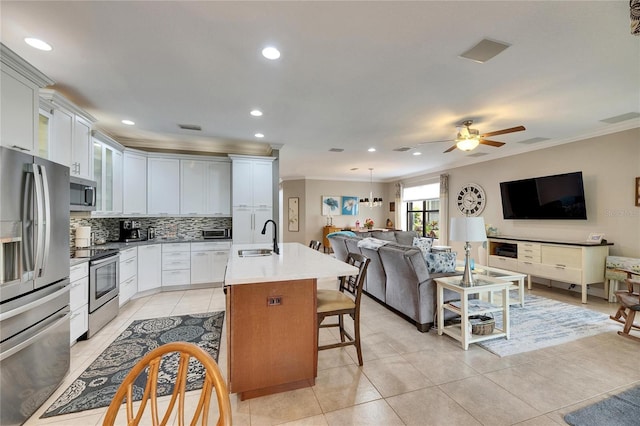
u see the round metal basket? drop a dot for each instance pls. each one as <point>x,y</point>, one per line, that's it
<point>482,324</point>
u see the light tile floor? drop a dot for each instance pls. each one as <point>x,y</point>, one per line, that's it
<point>408,378</point>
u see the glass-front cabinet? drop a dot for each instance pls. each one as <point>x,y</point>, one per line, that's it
<point>107,168</point>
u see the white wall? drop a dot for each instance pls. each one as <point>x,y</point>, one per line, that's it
<point>609,165</point>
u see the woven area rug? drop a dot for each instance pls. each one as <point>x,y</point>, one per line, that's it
<point>619,410</point>
<point>97,385</point>
<point>545,322</point>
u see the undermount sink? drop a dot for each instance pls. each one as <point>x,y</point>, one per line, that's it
<point>254,252</point>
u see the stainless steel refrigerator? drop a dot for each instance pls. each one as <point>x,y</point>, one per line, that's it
<point>34,282</point>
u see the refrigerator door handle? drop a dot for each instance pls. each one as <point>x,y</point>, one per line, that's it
<point>66,314</point>
<point>37,267</point>
<point>33,305</point>
<point>46,206</point>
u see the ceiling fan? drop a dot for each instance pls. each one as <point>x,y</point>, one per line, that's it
<point>468,139</point>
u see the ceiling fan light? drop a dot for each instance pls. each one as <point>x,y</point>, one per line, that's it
<point>467,144</point>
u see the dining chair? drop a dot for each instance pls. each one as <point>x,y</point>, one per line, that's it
<point>344,301</point>
<point>213,380</point>
<point>629,301</point>
<point>315,244</point>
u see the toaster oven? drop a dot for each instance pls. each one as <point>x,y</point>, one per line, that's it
<point>217,233</point>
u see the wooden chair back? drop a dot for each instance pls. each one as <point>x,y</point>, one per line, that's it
<point>213,380</point>
<point>353,283</point>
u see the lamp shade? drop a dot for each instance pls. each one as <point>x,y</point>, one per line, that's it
<point>468,229</point>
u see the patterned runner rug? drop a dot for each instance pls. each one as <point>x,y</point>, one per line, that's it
<point>99,382</point>
<point>545,322</point>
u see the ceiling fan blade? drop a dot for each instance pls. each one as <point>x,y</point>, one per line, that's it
<point>491,143</point>
<point>450,149</point>
<point>504,131</point>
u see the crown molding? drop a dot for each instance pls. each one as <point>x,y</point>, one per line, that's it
<point>59,100</point>
<point>11,59</point>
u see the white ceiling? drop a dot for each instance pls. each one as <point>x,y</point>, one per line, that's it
<point>352,75</point>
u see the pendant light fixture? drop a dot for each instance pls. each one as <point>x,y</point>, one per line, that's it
<point>370,201</point>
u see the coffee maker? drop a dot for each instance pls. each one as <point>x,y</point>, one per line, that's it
<point>130,231</point>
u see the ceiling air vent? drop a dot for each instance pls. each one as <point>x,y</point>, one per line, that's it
<point>336,150</point>
<point>533,140</point>
<point>402,149</point>
<point>190,127</point>
<point>621,117</point>
<point>477,154</point>
<point>484,50</point>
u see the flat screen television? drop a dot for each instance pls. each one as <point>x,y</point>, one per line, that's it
<point>547,197</point>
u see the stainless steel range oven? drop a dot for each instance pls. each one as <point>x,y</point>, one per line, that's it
<point>104,287</point>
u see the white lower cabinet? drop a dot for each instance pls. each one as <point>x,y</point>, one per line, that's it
<point>128,274</point>
<point>209,261</point>
<point>149,267</point>
<point>79,300</point>
<point>176,268</point>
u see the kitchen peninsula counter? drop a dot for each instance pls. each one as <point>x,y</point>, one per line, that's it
<point>294,262</point>
<point>271,317</point>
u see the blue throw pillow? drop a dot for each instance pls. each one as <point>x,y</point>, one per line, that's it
<point>424,244</point>
<point>441,262</point>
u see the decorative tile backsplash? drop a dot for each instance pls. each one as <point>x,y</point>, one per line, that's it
<point>109,228</point>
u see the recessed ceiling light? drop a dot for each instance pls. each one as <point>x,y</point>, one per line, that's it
<point>271,53</point>
<point>38,44</point>
<point>354,169</point>
<point>417,153</point>
<point>256,113</point>
<point>371,150</point>
<point>128,122</point>
<point>259,135</point>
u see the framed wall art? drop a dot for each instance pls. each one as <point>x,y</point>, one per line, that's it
<point>294,214</point>
<point>331,205</point>
<point>349,206</point>
<point>638,191</point>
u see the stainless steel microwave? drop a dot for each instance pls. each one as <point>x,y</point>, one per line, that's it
<point>83,194</point>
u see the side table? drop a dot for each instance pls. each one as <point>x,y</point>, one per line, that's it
<point>466,308</point>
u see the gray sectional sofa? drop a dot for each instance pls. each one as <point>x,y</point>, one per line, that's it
<point>397,275</point>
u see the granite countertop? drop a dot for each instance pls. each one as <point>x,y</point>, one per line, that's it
<point>74,262</point>
<point>295,262</point>
<point>123,246</point>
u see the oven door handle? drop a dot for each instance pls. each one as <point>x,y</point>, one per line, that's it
<point>101,261</point>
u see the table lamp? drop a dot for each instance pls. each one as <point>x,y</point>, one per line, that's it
<point>467,229</point>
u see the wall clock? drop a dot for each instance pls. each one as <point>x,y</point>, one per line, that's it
<point>471,199</point>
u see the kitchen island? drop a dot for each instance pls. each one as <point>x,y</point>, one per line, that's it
<point>271,317</point>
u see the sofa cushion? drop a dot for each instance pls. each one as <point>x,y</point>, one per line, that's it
<point>384,235</point>
<point>424,244</point>
<point>405,238</point>
<point>441,262</point>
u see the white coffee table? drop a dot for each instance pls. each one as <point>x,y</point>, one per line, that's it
<point>466,307</point>
<point>516,278</point>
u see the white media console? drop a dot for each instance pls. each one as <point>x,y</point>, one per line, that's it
<point>580,263</point>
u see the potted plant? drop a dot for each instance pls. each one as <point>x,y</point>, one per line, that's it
<point>368,223</point>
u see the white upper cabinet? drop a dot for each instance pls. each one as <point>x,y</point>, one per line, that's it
<point>219,188</point>
<point>107,172</point>
<point>19,103</point>
<point>193,181</point>
<point>70,141</point>
<point>135,183</point>
<point>163,185</point>
<point>252,182</point>
<point>61,132</point>
<point>81,148</point>
<point>205,187</point>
